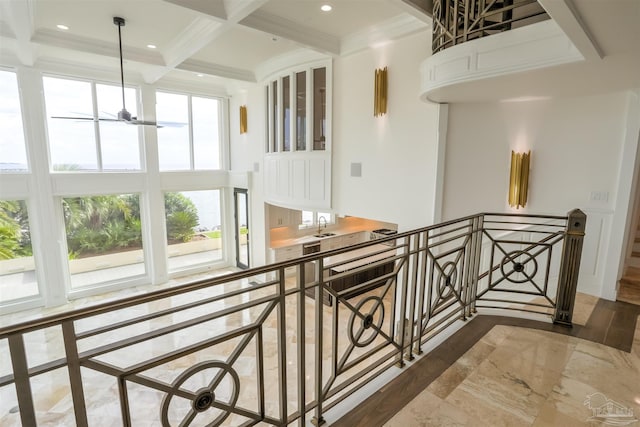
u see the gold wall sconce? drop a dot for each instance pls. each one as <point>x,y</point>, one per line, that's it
<point>519,179</point>
<point>380,92</point>
<point>243,119</point>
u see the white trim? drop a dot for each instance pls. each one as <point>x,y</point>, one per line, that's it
<point>627,181</point>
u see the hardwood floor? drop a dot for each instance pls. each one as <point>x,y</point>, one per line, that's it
<point>611,323</point>
<point>629,290</point>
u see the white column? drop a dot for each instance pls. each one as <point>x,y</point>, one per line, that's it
<point>46,217</point>
<point>152,202</point>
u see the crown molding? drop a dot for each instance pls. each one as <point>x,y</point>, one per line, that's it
<point>217,70</point>
<point>305,36</point>
<point>387,31</point>
<point>286,61</point>
<point>96,47</point>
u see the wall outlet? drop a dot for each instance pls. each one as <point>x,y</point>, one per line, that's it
<point>599,196</point>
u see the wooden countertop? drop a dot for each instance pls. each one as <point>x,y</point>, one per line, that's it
<point>340,258</point>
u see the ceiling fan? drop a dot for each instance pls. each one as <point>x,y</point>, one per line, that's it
<point>123,115</point>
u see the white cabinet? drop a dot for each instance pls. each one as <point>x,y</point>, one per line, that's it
<point>287,252</point>
<point>352,239</point>
<point>330,243</point>
<point>283,217</point>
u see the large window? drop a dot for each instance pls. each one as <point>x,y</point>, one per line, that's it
<point>189,138</point>
<point>83,130</point>
<point>194,228</point>
<point>104,238</point>
<point>17,268</point>
<point>13,155</point>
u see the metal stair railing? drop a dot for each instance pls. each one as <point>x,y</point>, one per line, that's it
<point>458,21</point>
<point>263,346</point>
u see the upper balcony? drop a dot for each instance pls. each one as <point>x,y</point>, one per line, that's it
<point>486,50</point>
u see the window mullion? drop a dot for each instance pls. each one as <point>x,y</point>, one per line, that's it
<point>191,150</point>
<point>96,124</point>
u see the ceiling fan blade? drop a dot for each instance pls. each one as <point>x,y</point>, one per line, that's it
<point>86,119</point>
<point>141,122</point>
<point>72,118</point>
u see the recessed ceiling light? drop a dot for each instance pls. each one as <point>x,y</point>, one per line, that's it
<point>200,75</point>
<point>151,46</point>
<point>326,8</point>
<point>62,27</point>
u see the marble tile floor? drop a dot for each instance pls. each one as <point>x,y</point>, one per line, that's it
<point>502,371</point>
<point>522,377</point>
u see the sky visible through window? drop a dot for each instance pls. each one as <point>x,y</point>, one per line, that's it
<point>13,154</point>
<point>73,143</point>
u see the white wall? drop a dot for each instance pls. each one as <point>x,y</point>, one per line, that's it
<point>398,150</point>
<point>246,154</point>
<point>577,148</point>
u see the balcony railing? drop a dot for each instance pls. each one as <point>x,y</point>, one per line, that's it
<point>458,21</point>
<point>267,346</point>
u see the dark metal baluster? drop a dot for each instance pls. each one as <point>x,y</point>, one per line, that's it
<point>75,377</point>
<point>282,346</point>
<point>318,420</point>
<point>21,378</point>
<point>569,267</point>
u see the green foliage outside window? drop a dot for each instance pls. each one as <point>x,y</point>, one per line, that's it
<point>182,217</point>
<point>15,239</point>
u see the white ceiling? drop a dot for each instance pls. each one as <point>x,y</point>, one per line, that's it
<point>237,42</point>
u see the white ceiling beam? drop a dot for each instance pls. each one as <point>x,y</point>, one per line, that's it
<point>217,70</point>
<point>19,16</point>
<point>304,36</point>
<point>215,8</point>
<point>421,9</point>
<point>566,15</point>
<point>202,30</point>
<point>95,46</point>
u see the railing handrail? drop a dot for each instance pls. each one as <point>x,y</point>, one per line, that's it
<point>100,308</point>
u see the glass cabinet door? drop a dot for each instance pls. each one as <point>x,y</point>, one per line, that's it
<point>319,108</point>
<point>301,111</point>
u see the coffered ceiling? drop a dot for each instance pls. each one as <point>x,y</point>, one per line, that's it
<point>227,42</point>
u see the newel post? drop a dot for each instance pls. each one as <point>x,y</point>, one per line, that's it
<point>569,267</point>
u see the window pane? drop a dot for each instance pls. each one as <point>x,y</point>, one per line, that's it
<point>206,133</point>
<point>274,107</point>
<point>17,268</point>
<point>119,142</point>
<point>71,141</point>
<point>13,154</point>
<point>301,111</point>
<point>319,108</point>
<point>286,114</point>
<point>104,238</point>
<point>173,142</point>
<point>194,228</point>
<point>307,217</point>
<point>268,126</point>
